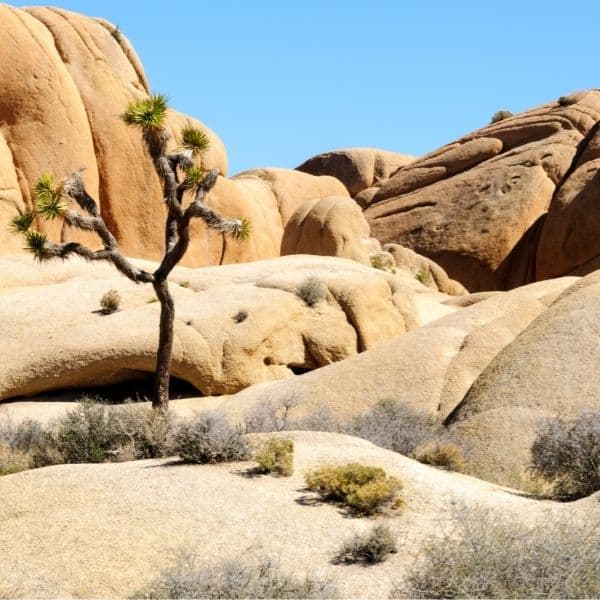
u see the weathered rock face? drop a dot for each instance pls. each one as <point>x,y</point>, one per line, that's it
<point>65,79</point>
<point>235,325</point>
<point>356,168</point>
<point>478,206</point>
<point>332,226</point>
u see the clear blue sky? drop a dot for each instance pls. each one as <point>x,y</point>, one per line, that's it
<point>282,80</point>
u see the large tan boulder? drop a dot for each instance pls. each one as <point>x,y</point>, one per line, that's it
<point>292,188</point>
<point>425,270</point>
<point>235,325</point>
<point>356,168</point>
<point>430,368</point>
<point>477,206</point>
<point>332,226</point>
<point>550,369</point>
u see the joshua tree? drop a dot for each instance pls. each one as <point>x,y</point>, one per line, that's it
<point>179,174</point>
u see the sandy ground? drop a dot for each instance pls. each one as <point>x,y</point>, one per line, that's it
<point>106,530</point>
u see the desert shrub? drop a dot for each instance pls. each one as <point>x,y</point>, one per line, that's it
<point>268,416</point>
<point>22,436</point>
<point>567,454</point>
<point>312,290</point>
<point>487,555</point>
<point>110,302</point>
<point>500,116</point>
<point>566,100</point>
<point>320,419</point>
<point>392,425</point>
<point>374,546</point>
<point>444,455</point>
<point>209,438</point>
<point>89,433</point>
<point>147,430</point>
<point>259,578</point>
<point>13,460</point>
<point>276,455</point>
<point>363,489</point>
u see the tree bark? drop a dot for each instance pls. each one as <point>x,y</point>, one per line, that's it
<point>164,354</point>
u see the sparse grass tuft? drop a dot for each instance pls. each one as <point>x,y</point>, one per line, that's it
<point>276,455</point>
<point>312,290</point>
<point>371,547</point>
<point>110,302</point>
<point>13,460</point>
<point>363,489</point>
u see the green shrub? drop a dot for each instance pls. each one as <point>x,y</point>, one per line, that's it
<point>566,100</point>
<point>566,453</point>
<point>209,438</point>
<point>371,547</point>
<point>110,302</point>
<point>490,555</point>
<point>258,578</point>
<point>276,455</point>
<point>312,290</point>
<point>363,489</point>
<point>500,116</point>
<point>444,455</point>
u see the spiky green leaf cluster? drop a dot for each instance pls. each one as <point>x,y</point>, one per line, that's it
<point>149,114</point>
<point>194,176</point>
<point>193,139</point>
<point>49,197</point>
<point>35,242</point>
<point>243,231</point>
<point>22,222</point>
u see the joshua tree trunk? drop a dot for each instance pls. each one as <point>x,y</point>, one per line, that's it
<point>179,175</point>
<point>164,354</point>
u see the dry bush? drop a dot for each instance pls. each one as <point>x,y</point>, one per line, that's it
<point>444,455</point>
<point>209,438</point>
<point>567,454</point>
<point>363,489</point>
<point>110,302</point>
<point>276,455</point>
<point>312,290</point>
<point>488,555</point>
<point>89,433</point>
<point>269,416</point>
<point>149,431</point>
<point>394,426</point>
<point>13,460</point>
<point>257,578</point>
<point>371,547</point>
